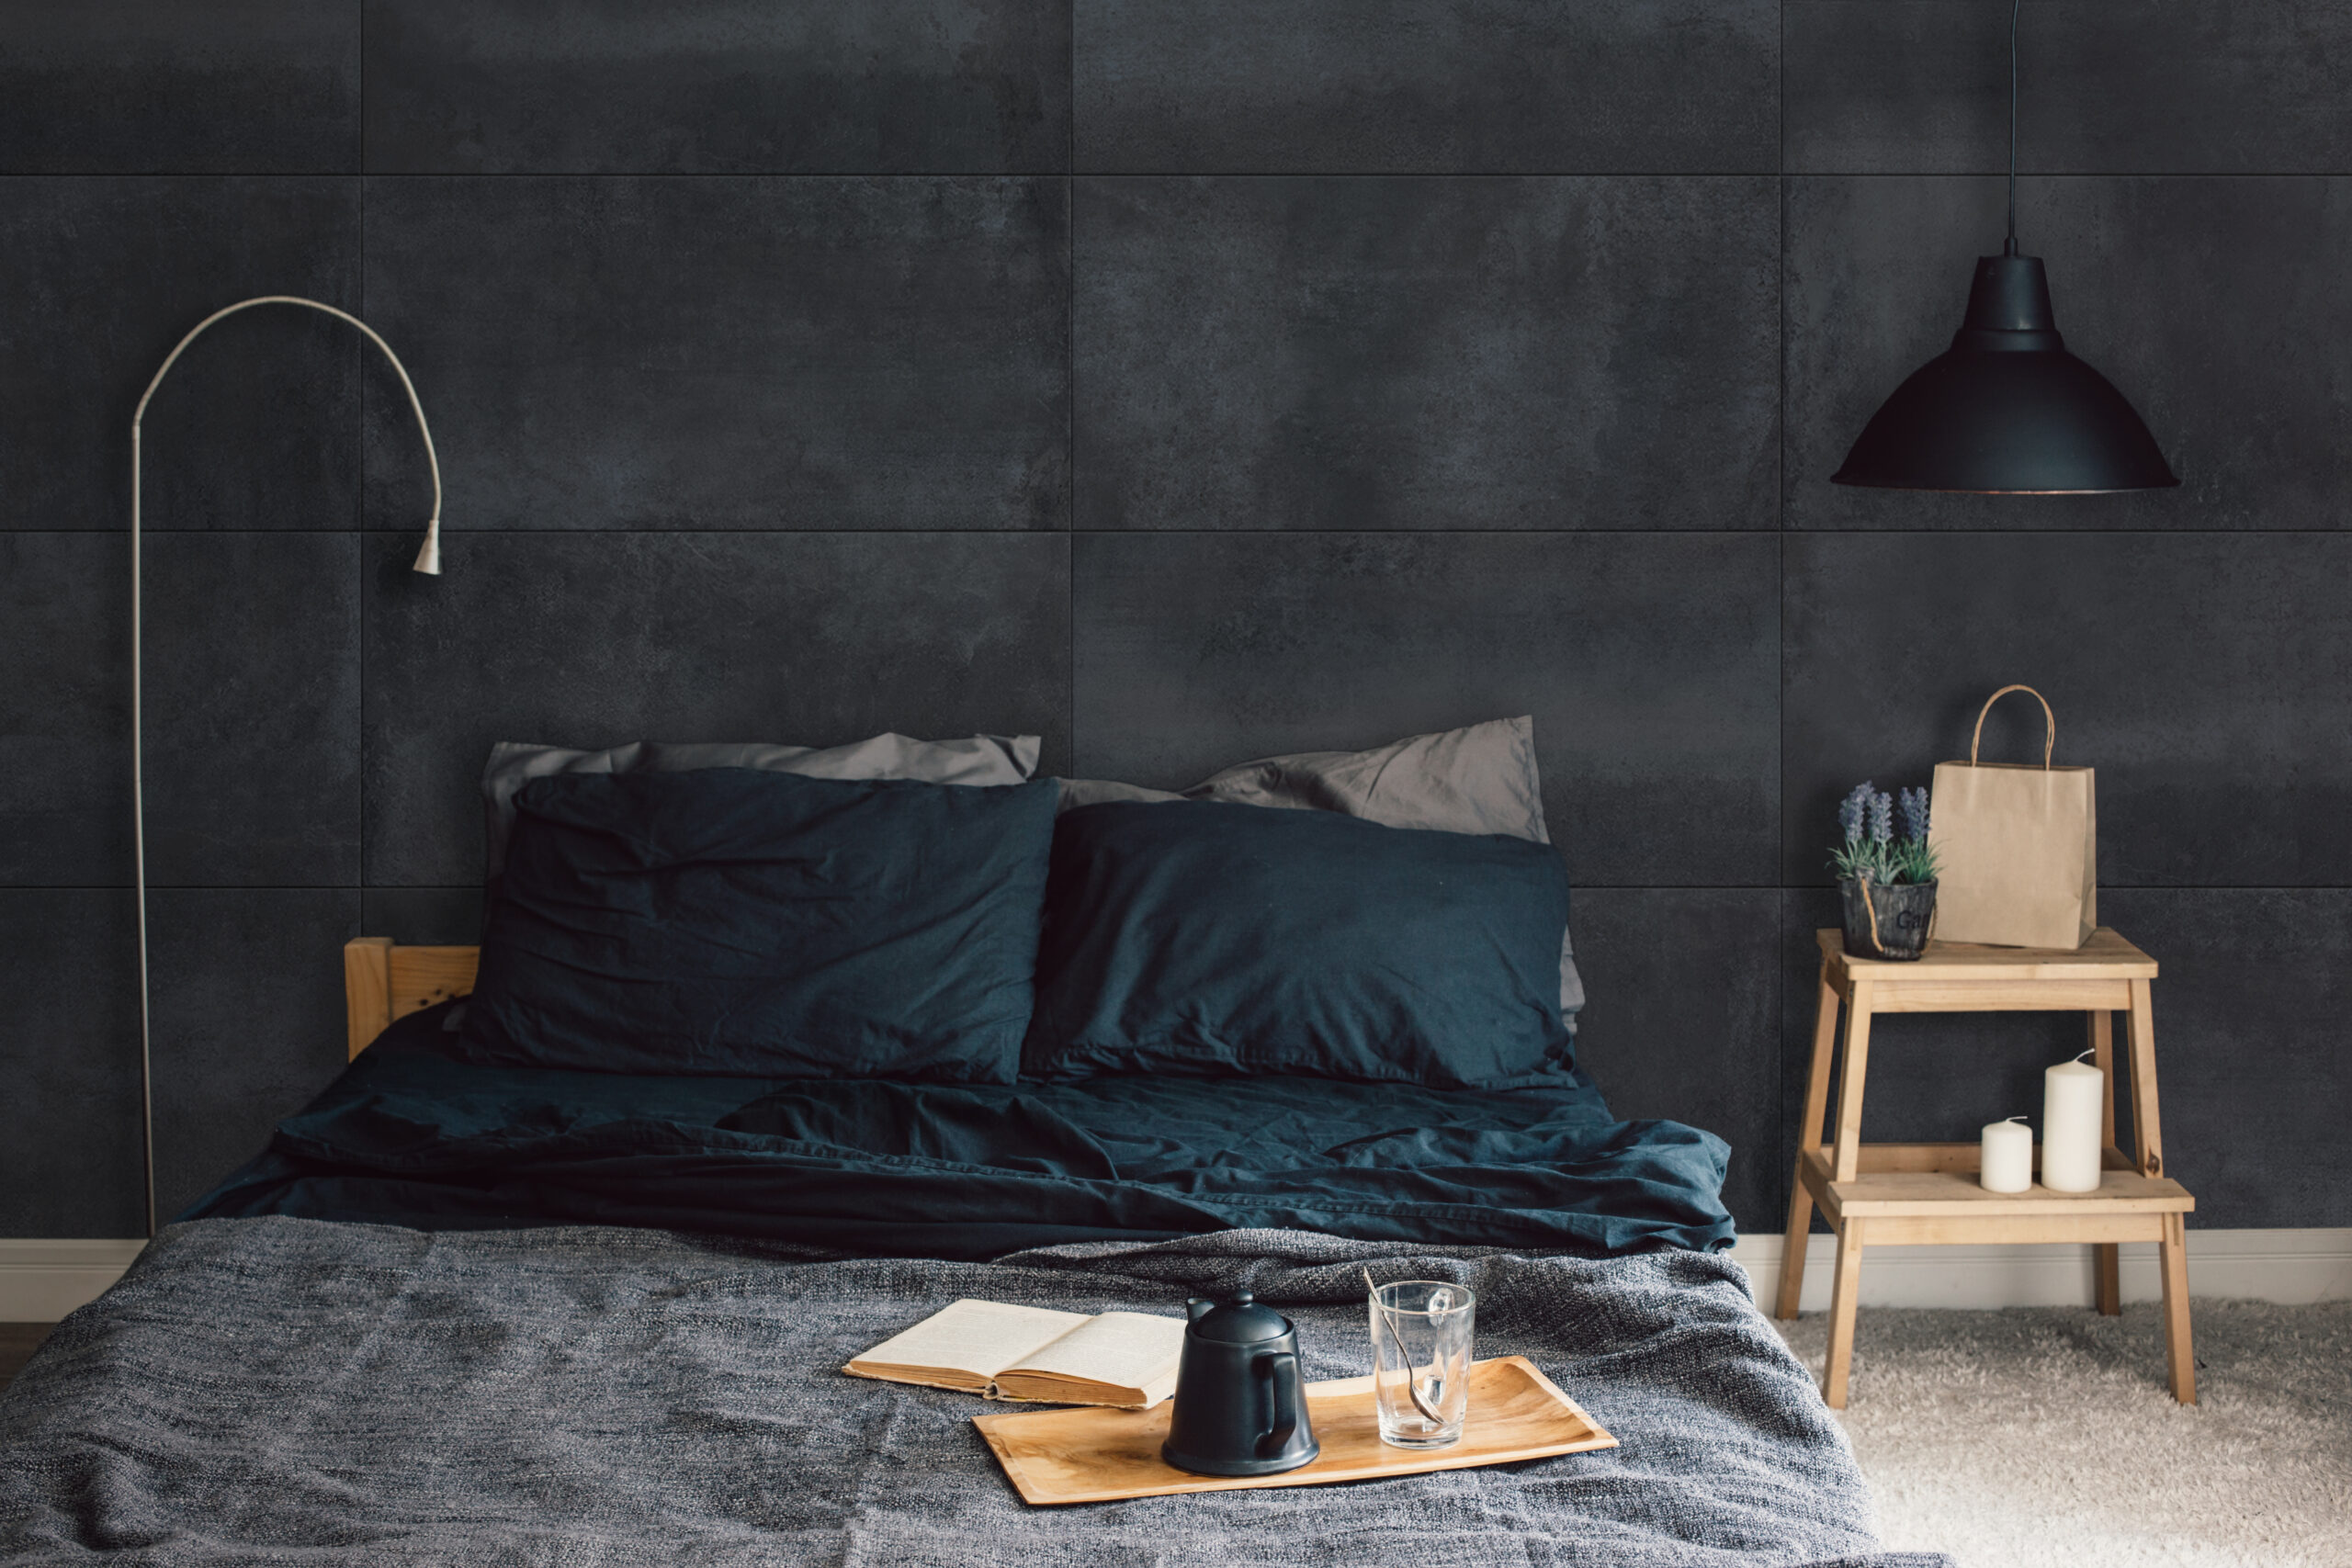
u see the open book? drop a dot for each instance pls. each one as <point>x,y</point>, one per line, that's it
<point>1034,1353</point>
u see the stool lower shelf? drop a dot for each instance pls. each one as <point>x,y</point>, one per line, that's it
<point>1928,1195</point>
<point>1924,1194</point>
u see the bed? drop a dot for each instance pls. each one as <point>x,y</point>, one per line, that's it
<point>521,1312</point>
<point>413,1352</point>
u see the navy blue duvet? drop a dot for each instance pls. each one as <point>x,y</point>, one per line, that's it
<point>412,1135</point>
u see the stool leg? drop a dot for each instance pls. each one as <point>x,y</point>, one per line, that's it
<point>1816,1106</point>
<point>2180,1359</point>
<point>1846,1160</point>
<point>2147,1138</point>
<point>1793,1249</point>
<point>1842,1301</point>
<point>2110,1273</point>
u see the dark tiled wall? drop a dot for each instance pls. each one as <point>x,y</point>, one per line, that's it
<point>1178,383</point>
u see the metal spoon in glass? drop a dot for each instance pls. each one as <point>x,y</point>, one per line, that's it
<point>1427,1402</point>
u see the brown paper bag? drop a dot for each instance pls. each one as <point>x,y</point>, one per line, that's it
<point>2018,847</point>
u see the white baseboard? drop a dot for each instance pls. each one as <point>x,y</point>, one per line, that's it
<point>2287,1265</point>
<point>40,1281</point>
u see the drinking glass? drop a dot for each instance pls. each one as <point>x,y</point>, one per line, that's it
<point>1420,1362</point>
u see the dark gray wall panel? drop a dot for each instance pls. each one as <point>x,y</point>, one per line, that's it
<point>717,86</point>
<point>164,87</point>
<point>1425,352</point>
<point>248,995</point>
<point>431,917</point>
<point>2109,87</point>
<point>2176,289</point>
<point>251,709</point>
<point>251,712</point>
<point>257,426</point>
<point>1660,1046</point>
<point>249,1022</point>
<point>726,353</point>
<point>2254,1078</point>
<point>69,1053</point>
<point>64,709</point>
<point>2166,656</point>
<point>1648,663</point>
<point>594,640</point>
<point>1441,85</point>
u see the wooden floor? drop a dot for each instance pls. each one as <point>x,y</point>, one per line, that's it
<point>17,1344</point>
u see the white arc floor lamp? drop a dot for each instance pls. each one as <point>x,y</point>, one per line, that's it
<point>428,559</point>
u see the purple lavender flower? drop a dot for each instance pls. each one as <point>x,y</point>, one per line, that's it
<point>1882,817</point>
<point>1915,815</point>
<point>1850,810</point>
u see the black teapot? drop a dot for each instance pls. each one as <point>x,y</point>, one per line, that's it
<point>1241,1400</point>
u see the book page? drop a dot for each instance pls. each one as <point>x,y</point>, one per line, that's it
<point>979,1338</point>
<point>1122,1349</point>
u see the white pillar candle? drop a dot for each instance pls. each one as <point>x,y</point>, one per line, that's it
<point>2070,1119</point>
<point>2007,1165</point>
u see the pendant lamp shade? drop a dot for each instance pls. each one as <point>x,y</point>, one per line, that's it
<point>2005,409</point>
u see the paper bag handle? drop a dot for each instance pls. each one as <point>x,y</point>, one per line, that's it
<point>2049,735</point>
<point>1873,910</point>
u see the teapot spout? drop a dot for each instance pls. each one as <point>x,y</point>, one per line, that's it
<point>1195,1307</point>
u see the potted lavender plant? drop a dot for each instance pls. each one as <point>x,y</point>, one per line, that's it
<point>1888,883</point>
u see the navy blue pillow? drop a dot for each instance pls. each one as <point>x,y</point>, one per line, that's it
<point>1201,938</point>
<point>768,925</point>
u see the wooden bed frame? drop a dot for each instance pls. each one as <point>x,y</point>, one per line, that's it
<point>382,981</point>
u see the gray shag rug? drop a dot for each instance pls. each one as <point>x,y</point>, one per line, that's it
<point>2043,1436</point>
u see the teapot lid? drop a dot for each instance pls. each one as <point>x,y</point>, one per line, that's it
<point>1239,1321</point>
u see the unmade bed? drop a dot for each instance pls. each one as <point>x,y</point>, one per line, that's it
<point>769,1055</point>
<point>391,1335</point>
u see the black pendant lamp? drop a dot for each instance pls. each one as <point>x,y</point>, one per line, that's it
<point>2006,410</point>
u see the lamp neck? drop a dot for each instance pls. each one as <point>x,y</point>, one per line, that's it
<point>2008,307</point>
<point>428,559</point>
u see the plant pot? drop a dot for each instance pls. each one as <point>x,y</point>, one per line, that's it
<point>1906,914</point>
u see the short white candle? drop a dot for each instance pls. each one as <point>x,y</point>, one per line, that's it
<point>2070,1126</point>
<point>2007,1165</point>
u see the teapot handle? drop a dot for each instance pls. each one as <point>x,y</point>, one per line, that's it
<point>1279,1371</point>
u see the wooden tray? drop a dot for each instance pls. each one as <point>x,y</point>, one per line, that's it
<point>1090,1454</point>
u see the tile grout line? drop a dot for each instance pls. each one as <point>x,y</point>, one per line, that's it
<point>1303,174</point>
<point>1784,1157</point>
<point>1070,386</point>
<point>2332,531</point>
<point>360,604</point>
<point>2267,889</point>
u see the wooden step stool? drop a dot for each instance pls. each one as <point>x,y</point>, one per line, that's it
<point>1917,1194</point>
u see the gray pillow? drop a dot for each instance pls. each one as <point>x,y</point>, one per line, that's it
<point>975,760</point>
<point>1094,792</point>
<point>1478,780</point>
<point>1481,779</point>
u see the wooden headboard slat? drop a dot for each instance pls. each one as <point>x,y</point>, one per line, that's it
<point>382,981</point>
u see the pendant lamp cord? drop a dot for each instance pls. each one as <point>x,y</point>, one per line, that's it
<point>2011,248</point>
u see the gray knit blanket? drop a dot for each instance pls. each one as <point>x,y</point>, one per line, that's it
<point>277,1391</point>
